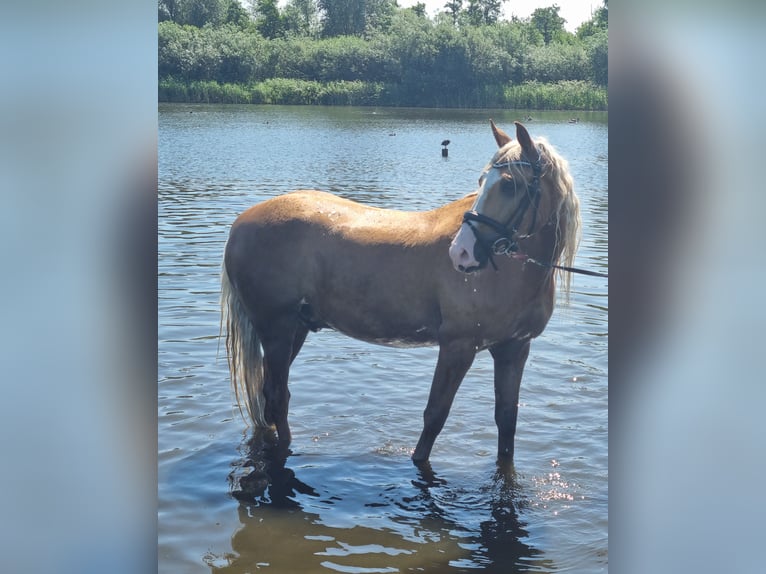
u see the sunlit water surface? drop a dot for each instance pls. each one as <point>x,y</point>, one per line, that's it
<point>348,499</point>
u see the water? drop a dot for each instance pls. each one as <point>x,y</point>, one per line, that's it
<point>348,499</point>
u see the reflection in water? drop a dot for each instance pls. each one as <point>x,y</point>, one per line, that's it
<point>418,523</point>
<point>270,482</point>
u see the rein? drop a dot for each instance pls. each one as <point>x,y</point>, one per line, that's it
<point>505,244</point>
<point>527,259</point>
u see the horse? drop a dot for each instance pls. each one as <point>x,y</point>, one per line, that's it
<point>308,260</point>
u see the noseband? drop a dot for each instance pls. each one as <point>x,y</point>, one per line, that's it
<point>504,242</point>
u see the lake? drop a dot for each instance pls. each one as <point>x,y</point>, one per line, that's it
<point>348,498</point>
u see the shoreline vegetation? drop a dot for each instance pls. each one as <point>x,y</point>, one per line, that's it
<point>218,51</point>
<point>564,95</point>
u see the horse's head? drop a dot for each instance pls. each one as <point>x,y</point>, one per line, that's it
<point>525,187</point>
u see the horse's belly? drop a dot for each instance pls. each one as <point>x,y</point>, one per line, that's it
<point>395,327</point>
<point>420,337</point>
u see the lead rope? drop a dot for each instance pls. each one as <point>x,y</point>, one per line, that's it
<point>527,259</point>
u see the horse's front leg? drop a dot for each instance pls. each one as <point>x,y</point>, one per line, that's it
<point>510,357</point>
<point>454,361</point>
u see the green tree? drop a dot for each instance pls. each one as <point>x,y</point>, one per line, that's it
<point>512,39</point>
<point>548,22</point>
<point>168,10</point>
<point>225,53</point>
<point>268,19</point>
<point>355,17</point>
<point>454,7</point>
<point>342,17</point>
<point>201,12</point>
<point>236,14</point>
<point>598,22</point>
<point>597,48</point>
<point>419,9</point>
<point>483,12</point>
<point>301,17</point>
<point>378,13</point>
<point>378,53</point>
<point>556,63</point>
<point>601,16</point>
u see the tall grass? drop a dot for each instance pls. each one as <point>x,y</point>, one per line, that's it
<point>207,92</point>
<point>274,91</point>
<point>565,95</point>
<point>292,91</point>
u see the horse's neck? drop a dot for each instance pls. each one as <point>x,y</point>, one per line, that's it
<point>463,203</point>
<point>445,221</point>
<point>458,207</point>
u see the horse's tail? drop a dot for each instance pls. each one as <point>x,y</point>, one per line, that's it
<point>243,352</point>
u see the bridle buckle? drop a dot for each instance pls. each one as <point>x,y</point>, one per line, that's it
<point>504,246</point>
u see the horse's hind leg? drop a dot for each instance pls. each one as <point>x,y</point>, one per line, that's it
<point>280,347</point>
<point>510,357</point>
<point>298,339</point>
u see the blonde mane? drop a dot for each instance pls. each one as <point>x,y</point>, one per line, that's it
<point>567,213</point>
<point>564,205</point>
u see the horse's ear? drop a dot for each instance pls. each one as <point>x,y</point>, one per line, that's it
<point>527,146</point>
<point>501,137</point>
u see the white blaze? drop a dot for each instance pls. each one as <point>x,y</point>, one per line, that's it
<point>462,246</point>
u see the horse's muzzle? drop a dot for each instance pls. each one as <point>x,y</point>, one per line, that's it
<point>472,269</point>
<point>461,251</point>
<point>481,254</point>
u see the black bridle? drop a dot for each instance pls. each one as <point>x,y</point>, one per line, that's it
<point>506,240</point>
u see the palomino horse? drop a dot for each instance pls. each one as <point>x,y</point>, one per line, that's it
<point>307,260</point>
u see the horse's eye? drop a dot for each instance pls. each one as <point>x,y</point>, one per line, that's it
<point>507,184</point>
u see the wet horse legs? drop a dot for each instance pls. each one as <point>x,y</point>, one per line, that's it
<point>278,354</point>
<point>510,357</point>
<point>454,362</point>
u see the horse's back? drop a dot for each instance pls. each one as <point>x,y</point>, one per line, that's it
<point>348,220</point>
